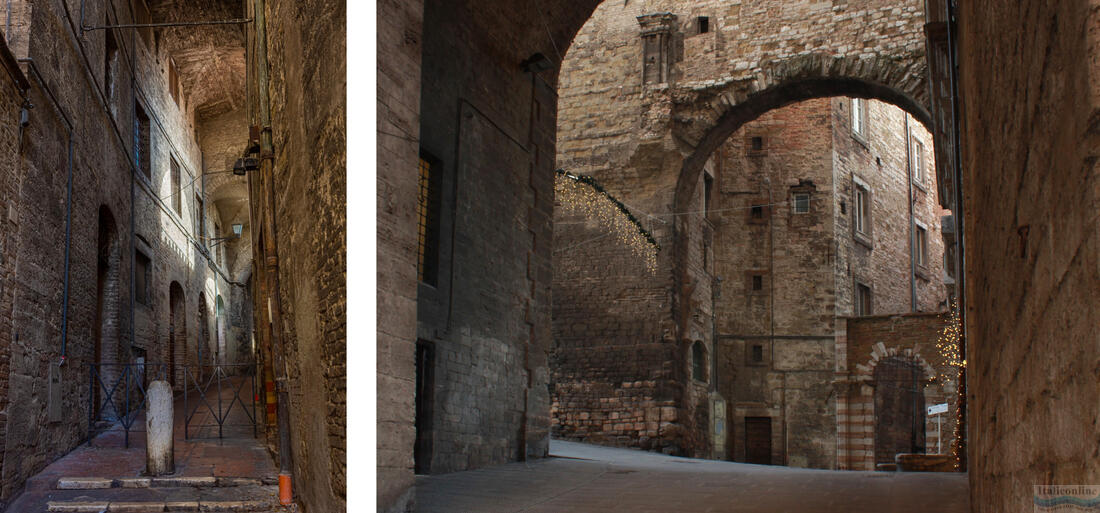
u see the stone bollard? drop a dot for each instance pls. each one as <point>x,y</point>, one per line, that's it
<point>159,459</point>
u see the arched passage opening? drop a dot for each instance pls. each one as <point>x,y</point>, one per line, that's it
<point>177,332</point>
<point>106,341</point>
<point>899,409</point>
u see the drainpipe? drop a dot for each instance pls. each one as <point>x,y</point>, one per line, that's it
<point>267,177</point>
<point>68,206</point>
<point>909,200</point>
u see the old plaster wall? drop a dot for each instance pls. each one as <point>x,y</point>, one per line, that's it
<point>1030,82</point>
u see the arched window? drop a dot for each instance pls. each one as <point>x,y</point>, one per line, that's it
<point>698,361</point>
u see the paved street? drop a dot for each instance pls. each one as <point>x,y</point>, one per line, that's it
<point>585,478</point>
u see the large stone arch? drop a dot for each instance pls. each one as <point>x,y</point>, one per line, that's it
<point>704,117</point>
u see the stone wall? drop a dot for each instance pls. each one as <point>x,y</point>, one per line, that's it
<point>398,103</point>
<point>73,70</point>
<point>1030,86</point>
<point>307,87</point>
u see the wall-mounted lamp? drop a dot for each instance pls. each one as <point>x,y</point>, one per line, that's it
<point>536,62</point>
<point>245,165</point>
<point>237,229</point>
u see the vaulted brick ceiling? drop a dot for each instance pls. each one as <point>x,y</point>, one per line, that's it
<point>210,58</point>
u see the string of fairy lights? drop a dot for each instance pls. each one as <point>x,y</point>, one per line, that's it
<point>954,362</point>
<point>582,195</point>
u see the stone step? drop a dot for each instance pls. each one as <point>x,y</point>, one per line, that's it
<point>98,483</point>
<point>263,498</point>
<point>94,506</point>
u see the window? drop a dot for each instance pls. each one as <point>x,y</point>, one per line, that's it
<point>757,353</point>
<point>801,203</point>
<point>756,146</point>
<point>704,24</point>
<point>697,362</point>
<point>863,210</point>
<point>177,188</point>
<point>757,282</point>
<point>863,300</point>
<point>142,268</point>
<point>142,146</point>
<point>920,246</point>
<point>173,82</point>
<point>428,221</point>
<point>200,227</point>
<point>917,154</point>
<point>708,188</point>
<point>859,117</point>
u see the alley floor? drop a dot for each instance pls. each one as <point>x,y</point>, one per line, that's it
<point>586,478</point>
<point>233,473</point>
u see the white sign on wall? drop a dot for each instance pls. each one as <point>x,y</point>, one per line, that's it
<point>937,408</point>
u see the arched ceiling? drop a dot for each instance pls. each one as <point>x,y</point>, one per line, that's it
<point>210,58</point>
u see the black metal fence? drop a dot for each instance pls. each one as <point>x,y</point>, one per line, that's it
<point>212,401</point>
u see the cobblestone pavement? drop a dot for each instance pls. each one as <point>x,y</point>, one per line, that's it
<point>585,478</point>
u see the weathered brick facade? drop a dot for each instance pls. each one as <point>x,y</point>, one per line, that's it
<point>618,361</point>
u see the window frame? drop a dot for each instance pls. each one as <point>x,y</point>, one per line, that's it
<point>861,290</point>
<point>176,184</point>
<point>429,219</point>
<point>917,161</point>
<point>143,141</point>
<point>859,121</point>
<point>794,203</point>
<point>699,362</point>
<point>920,245</point>
<point>862,212</point>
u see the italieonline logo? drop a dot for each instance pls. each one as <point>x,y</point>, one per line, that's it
<point>1067,498</point>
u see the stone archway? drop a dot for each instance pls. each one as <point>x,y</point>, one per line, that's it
<point>706,116</point>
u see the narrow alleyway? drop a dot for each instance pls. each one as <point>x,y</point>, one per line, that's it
<point>234,473</point>
<point>587,478</point>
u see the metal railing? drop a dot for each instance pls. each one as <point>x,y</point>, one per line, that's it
<point>209,390</point>
<point>212,396</point>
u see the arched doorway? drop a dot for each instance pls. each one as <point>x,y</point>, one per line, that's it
<point>106,327</point>
<point>177,330</point>
<point>899,408</point>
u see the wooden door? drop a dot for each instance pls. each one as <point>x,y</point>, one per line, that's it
<point>758,440</point>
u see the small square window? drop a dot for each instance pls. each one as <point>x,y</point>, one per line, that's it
<point>704,24</point>
<point>758,212</point>
<point>757,353</point>
<point>757,282</point>
<point>801,203</point>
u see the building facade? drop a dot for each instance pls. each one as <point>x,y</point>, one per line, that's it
<point>799,221</point>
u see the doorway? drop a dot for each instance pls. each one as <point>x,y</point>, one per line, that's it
<point>758,440</point>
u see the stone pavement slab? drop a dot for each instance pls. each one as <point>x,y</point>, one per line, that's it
<point>583,478</point>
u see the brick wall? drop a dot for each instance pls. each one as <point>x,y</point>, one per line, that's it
<point>307,73</point>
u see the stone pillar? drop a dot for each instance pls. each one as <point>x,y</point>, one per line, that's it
<point>158,429</point>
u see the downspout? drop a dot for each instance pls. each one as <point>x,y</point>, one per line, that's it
<point>68,206</point>
<point>267,175</point>
<point>909,200</point>
<point>771,307</point>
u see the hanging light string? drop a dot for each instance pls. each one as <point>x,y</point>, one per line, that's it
<point>582,195</point>
<point>954,363</point>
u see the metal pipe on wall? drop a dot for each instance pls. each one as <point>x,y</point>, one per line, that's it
<point>267,175</point>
